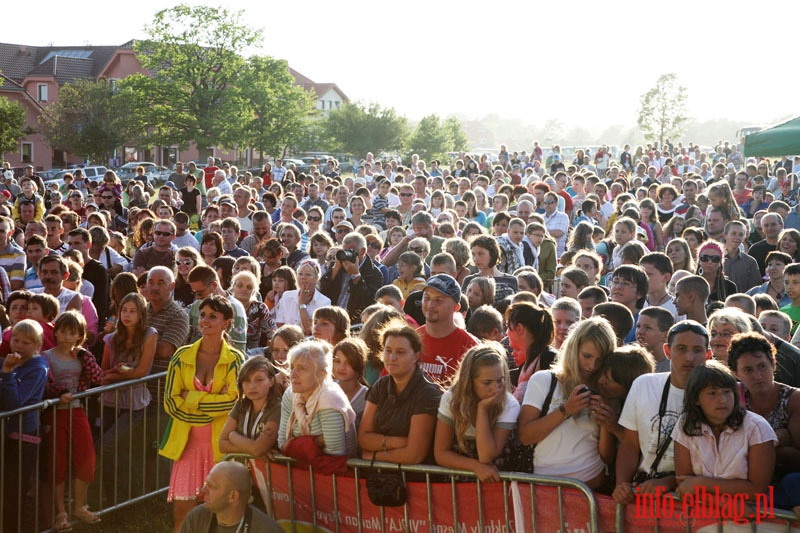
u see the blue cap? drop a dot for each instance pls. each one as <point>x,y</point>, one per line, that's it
<point>445,284</point>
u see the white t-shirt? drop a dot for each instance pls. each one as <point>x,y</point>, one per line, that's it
<point>570,450</point>
<point>506,420</point>
<point>669,305</point>
<point>641,414</point>
<point>287,310</point>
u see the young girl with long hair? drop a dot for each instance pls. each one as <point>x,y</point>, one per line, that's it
<point>720,196</point>
<point>252,424</point>
<point>720,445</point>
<point>673,229</point>
<point>72,369</point>
<point>649,217</point>
<point>438,203</point>
<point>568,439</point>
<point>349,362</point>
<point>530,333</point>
<point>477,415</point>
<point>581,237</point>
<point>128,354</point>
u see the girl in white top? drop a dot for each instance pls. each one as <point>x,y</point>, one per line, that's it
<point>477,415</point>
<point>567,435</point>
<point>718,444</point>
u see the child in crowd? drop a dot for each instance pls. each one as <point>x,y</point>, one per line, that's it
<point>478,415</point>
<point>392,296</point>
<point>28,196</point>
<point>22,383</point>
<point>409,267</point>
<point>651,333</point>
<point>44,308</point>
<point>486,323</point>
<point>128,354</point>
<point>72,370</point>
<point>252,425</point>
<point>719,445</point>
<point>349,362</point>
<point>791,282</point>
<point>17,309</point>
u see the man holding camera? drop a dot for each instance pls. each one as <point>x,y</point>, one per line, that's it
<point>353,279</point>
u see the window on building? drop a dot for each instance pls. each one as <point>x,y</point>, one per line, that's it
<point>42,92</point>
<point>27,152</point>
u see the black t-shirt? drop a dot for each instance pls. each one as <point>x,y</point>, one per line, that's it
<point>189,201</point>
<point>394,410</point>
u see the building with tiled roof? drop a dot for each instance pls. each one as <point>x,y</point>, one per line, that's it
<point>32,76</point>
<point>329,95</point>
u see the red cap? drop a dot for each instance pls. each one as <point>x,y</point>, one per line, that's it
<point>6,194</point>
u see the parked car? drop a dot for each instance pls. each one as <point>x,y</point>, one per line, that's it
<point>155,173</point>
<point>91,173</point>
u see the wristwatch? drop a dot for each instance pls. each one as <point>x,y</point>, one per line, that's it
<point>303,306</point>
<point>564,411</point>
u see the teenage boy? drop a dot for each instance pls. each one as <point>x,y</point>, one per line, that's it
<point>691,296</point>
<point>791,284</point>
<point>651,332</point>
<point>645,459</point>
<point>629,288</point>
<point>658,268</point>
<point>739,267</point>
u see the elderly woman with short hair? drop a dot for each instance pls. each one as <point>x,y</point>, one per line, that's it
<point>314,405</point>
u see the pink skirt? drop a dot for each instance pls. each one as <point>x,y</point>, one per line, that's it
<point>190,471</point>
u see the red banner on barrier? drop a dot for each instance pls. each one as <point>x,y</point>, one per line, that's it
<point>460,507</point>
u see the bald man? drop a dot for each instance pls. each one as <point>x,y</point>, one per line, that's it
<point>225,508</point>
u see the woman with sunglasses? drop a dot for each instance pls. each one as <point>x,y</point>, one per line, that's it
<point>186,259</point>
<point>709,266</point>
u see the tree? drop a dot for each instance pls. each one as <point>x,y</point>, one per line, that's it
<point>434,138</point>
<point>459,142</point>
<point>357,129</point>
<point>87,119</point>
<point>280,109</point>
<point>430,139</point>
<point>195,56</point>
<point>663,109</point>
<point>12,125</point>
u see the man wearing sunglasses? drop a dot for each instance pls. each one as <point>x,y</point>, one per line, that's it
<point>161,253</point>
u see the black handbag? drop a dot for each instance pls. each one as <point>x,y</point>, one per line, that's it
<point>386,489</point>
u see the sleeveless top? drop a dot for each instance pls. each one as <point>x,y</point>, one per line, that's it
<point>778,418</point>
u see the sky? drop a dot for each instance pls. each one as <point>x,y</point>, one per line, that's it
<point>583,63</point>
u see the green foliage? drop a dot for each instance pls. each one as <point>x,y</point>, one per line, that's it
<point>280,109</point>
<point>434,138</point>
<point>87,119</point>
<point>195,56</point>
<point>663,109</point>
<point>12,125</point>
<point>459,142</point>
<point>357,129</point>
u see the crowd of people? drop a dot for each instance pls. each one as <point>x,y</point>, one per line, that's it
<point>626,320</point>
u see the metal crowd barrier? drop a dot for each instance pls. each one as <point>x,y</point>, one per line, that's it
<point>568,506</point>
<point>433,474</point>
<point>128,468</point>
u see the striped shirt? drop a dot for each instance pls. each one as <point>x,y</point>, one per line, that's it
<point>12,259</point>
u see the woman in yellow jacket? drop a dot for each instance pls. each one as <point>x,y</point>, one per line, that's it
<point>200,391</point>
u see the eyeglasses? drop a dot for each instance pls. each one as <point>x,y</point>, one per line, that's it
<point>163,233</point>
<point>342,230</point>
<point>107,197</point>
<point>375,245</point>
<point>184,262</point>
<point>710,259</point>
<point>406,194</point>
<point>315,219</point>
<point>549,202</point>
<point>416,250</point>
<point>622,284</point>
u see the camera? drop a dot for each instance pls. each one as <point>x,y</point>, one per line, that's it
<point>348,255</point>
